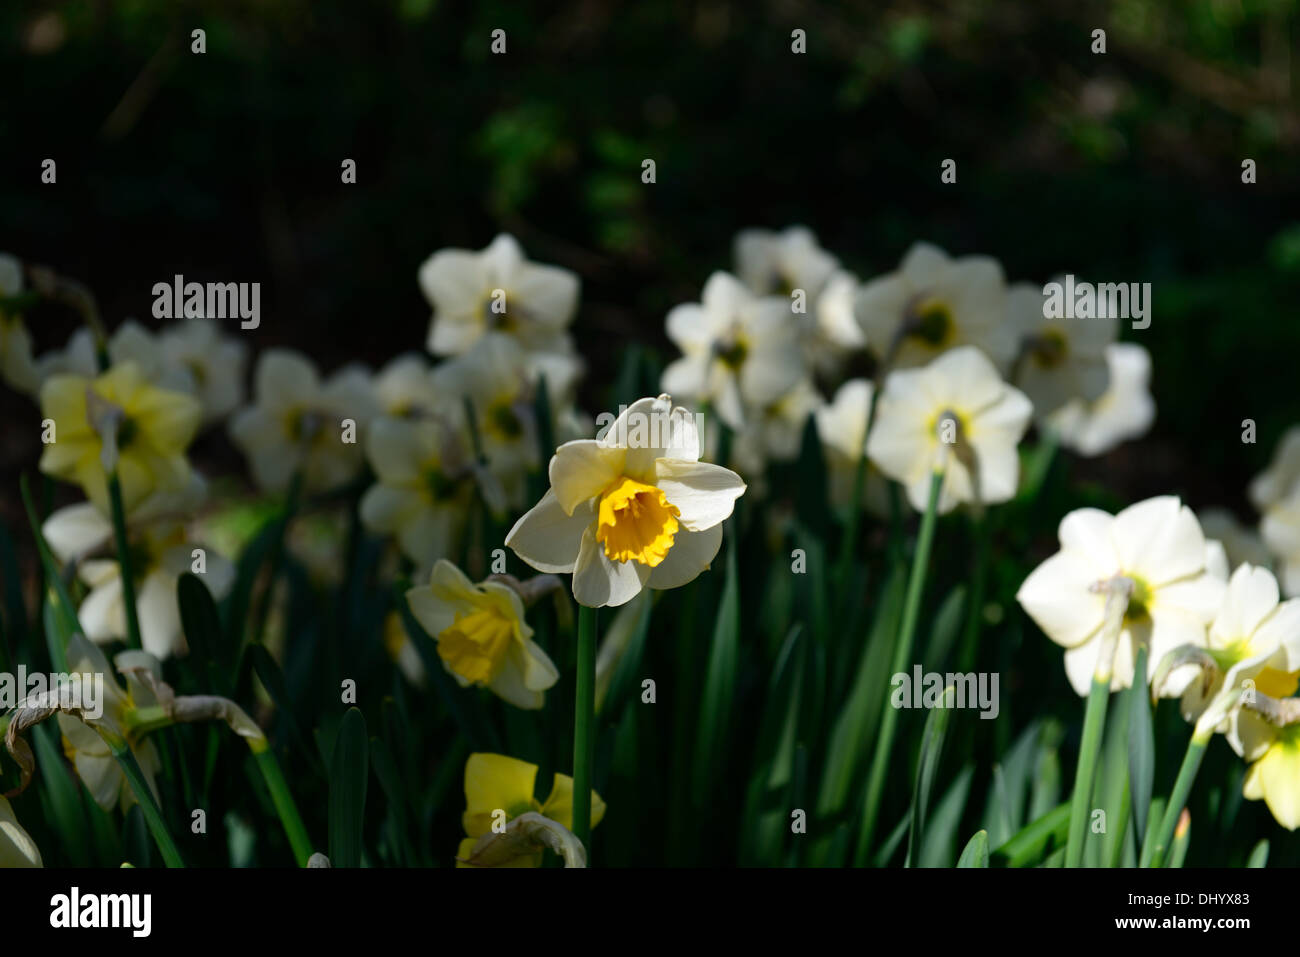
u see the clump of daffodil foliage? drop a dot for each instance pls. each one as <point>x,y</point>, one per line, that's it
<point>459,610</point>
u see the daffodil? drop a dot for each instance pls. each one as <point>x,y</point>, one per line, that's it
<point>17,365</point>
<point>1177,587</point>
<point>934,303</point>
<point>739,351</point>
<point>83,745</point>
<point>1274,775</point>
<point>130,342</point>
<point>213,363</point>
<point>632,509</point>
<point>1280,530</point>
<point>1254,638</point>
<point>499,789</point>
<point>160,552</point>
<point>425,482</point>
<point>118,422</point>
<point>500,380</point>
<point>774,432</point>
<point>769,262</point>
<point>301,424</point>
<point>1279,480</point>
<point>1058,359</point>
<point>17,849</point>
<point>482,636</point>
<point>404,388</point>
<point>497,290</point>
<point>1124,411</point>
<point>958,401</point>
<point>842,426</point>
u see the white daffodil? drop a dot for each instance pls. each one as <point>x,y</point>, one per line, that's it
<point>500,381</point>
<point>772,263</point>
<point>774,432</point>
<point>632,509</point>
<point>933,303</point>
<point>841,426</point>
<point>1177,586</point>
<point>482,636</point>
<point>160,553</point>
<point>404,388</point>
<point>836,332</point>
<point>1280,529</point>
<point>1124,411</point>
<point>299,422</point>
<point>1279,480</point>
<point>17,366</point>
<point>1058,360</point>
<point>214,363</point>
<point>497,290</point>
<point>84,747</point>
<point>130,342</point>
<point>739,351</point>
<point>958,401</point>
<point>17,849</point>
<point>424,489</point>
<point>1241,545</point>
<point>1254,638</point>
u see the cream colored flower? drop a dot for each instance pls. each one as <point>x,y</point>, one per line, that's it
<point>130,342</point>
<point>17,367</point>
<point>1058,360</point>
<point>482,636</point>
<point>772,263</point>
<point>213,363</point>
<point>1274,777</point>
<point>1279,480</point>
<point>497,290</point>
<point>1280,529</point>
<point>118,421</point>
<point>160,553</point>
<point>17,849</point>
<point>774,432</point>
<point>404,388</point>
<point>632,509</point>
<point>957,401</point>
<point>934,303</point>
<point>1158,544</point>
<point>299,422</point>
<point>424,489</point>
<point>1124,411</point>
<point>841,426</point>
<point>739,351</point>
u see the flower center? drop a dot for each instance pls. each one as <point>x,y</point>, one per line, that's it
<point>1049,349</point>
<point>499,319</point>
<point>932,322</point>
<point>1138,603</point>
<point>440,486</point>
<point>731,352</point>
<point>502,421</point>
<point>636,521</point>
<point>475,645</point>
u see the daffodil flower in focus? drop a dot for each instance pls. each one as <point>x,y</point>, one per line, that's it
<point>497,290</point>
<point>499,789</point>
<point>297,423</point>
<point>934,303</point>
<point>1178,586</point>
<point>482,636</point>
<point>17,849</point>
<point>739,351</point>
<point>959,401</point>
<point>1124,411</point>
<point>118,422</point>
<point>632,509</point>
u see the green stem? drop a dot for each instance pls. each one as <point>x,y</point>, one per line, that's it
<point>1094,720</point>
<point>848,544</point>
<point>975,609</point>
<point>285,805</point>
<point>144,797</point>
<point>276,556</point>
<point>902,652</point>
<point>584,720</point>
<point>1177,799</point>
<point>124,561</point>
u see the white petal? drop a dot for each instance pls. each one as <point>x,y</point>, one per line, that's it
<point>582,469</point>
<point>598,582</point>
<point>692,553</point>
<point>1056,596</point>
<point>704,493</point>
<point>1160,540</point>
<point>547,538</point>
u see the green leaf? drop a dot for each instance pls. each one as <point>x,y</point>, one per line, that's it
<point>349,774</point>
<point>1036,840</point>
<point>719,684</point>
<point>201,623</point>
<point>774,754</point>
<point>976,853</point>
<point>947,624</point>
<point>1259,856</point>
<point>927,765</point>
<point>63,794</point>
<point>939,843</point>
<point>1141,751</point>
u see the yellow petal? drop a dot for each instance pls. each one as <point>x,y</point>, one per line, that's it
<point>496,782</point>
<point>559,805</point>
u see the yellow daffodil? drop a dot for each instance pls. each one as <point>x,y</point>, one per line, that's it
<point>632,509</point>
<point>300,423</point>
<point>17,849</point>
<point>499,789</point>
<point>958,400</point>
<point>497,290</point>
<point>1274,776</point>
<point>118,421</point>
<point>482,636</point>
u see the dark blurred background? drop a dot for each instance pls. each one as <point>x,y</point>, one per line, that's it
<point>226,166</point>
